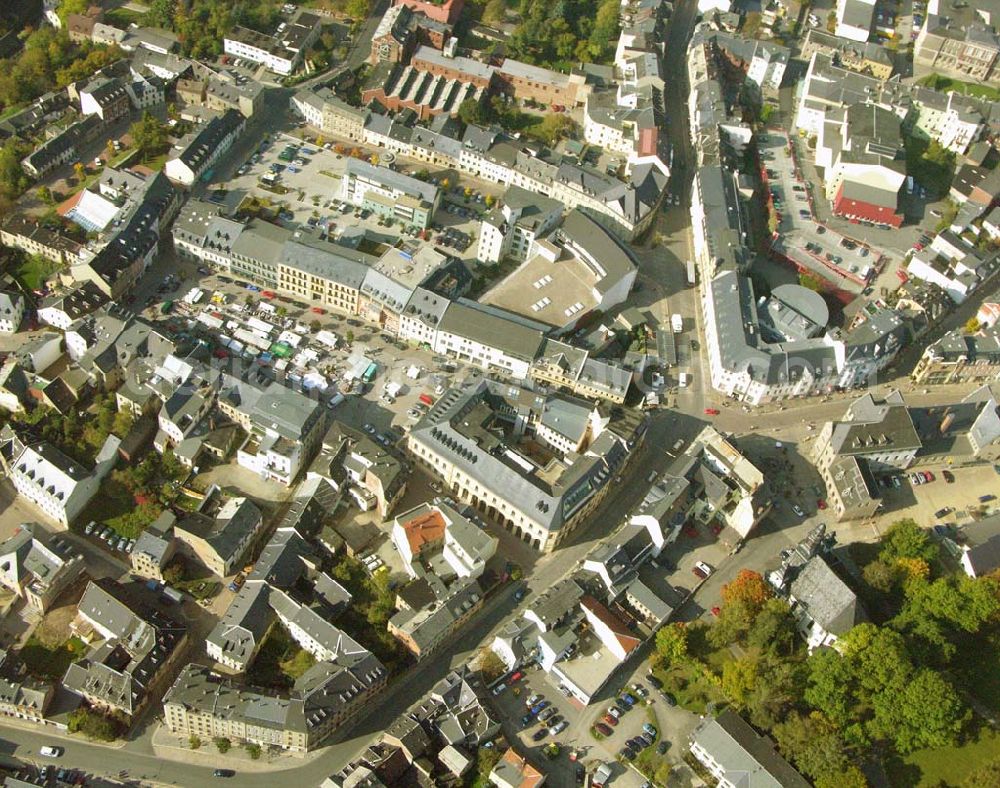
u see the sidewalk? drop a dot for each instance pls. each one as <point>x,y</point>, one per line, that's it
<point>175,748</point>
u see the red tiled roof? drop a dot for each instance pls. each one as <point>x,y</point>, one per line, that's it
<point>424,529</point>
<point>530,776</point>
<point>627,640</point>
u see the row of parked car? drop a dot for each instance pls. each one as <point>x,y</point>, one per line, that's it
<point>110,537</point>
<point>553,723</point>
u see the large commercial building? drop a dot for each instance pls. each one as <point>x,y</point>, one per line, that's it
<point>281,52</point>
<point>578,270</point>
<point>199,152</point>
<point>389,194</point>
<point>860,149</point>
<point>470,439</point>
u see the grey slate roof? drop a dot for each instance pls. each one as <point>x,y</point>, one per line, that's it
<point>828,600</point>
<point>747,759</point>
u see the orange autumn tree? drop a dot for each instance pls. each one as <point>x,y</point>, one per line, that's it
<point>742,601</point>
<point>749,588</point>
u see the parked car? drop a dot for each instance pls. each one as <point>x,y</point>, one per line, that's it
<point>704,568</point>
<point>668,699</point>
<point>711,412</point>
<point>50,752</point>
<point>603,729</point>
<point>499,688</point>
<point>527,719</point>
<point>612,721</point>
<point>657,684</point>
<point>559,727</point>
<point>533,700</point>
<point>614,711</point>
<point>987,498</point>
<point>949,477</point>
<point>547,714</point>
<point>540,734</point>
<point>944,512</point>
<point>630,701</point>
<point>798,510</point>
<point>649,728</point>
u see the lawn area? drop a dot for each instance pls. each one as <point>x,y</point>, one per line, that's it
<point>944,84</point>
<point>123,17</point>
<point>115,506</point>
<point>155,164</point>
<point>280,661</point>
<point>51,661</point>
<point>35,270</point>
<point>945,765</point>
<point>13,109</point>
<point>199,587</point>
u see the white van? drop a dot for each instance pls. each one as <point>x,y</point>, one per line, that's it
<point>682,380</point>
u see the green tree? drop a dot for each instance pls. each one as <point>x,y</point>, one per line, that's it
<point>222,744</point>
<point>905,539</point>
<point>13,181</point>
<point>851,777</point>
<point>812,743</point>
<point>554,127</point>
<point>778,688</point>
<point>67,7</point>
<point>490,665</point>
<point>93,725</point>
<point>149,136</point>
<point>873,690</point>
<point>486,759</point>
<point>739,678</point>
<point>972,325</point>
<point>882,575</point>
<point>194,742</point>
<point>174,572</point>
<point>123,423</point>
<point>773,629</point>
<point>924,712</point>
<point>494,12</point>
<point>254,751</point>
<point>672,644</point>
<point>357,9</point>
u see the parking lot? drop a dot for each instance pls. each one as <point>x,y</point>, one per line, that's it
<point>578,749</point>
<point>939,501</point>
<point>307,190</point>
<point>843,259</point>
